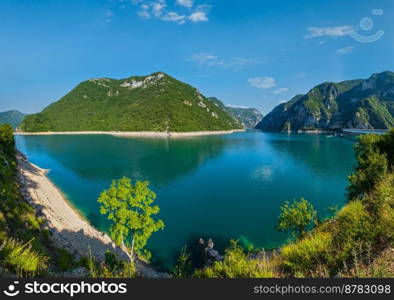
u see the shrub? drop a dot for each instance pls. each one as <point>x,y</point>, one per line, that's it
<point>21,258</point>
<point>353,229</point>
<point>64,259</point>
<point>110,268</point>
<point>296,217</point>
<point>306,254</point>
<point>237,264</point>
<point>184,266</point>
<point>375,157</point>
<point>7,138</point>
<point>380,204</point>
<point>371,170</point>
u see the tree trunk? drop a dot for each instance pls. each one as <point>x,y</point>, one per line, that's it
<point>132,248</point>
<point>130,256</point>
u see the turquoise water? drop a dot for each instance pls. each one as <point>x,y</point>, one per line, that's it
<point>227,186</point>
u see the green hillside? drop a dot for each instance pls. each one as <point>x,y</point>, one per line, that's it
<point>12,117</point>
<point>363,104</point>
<point>156,102</point>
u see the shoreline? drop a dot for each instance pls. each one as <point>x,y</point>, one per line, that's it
<point>135,133</point>
<point>69,229</point>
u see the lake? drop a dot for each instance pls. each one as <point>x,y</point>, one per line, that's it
<point>223,187</point>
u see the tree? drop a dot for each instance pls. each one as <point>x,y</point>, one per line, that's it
<point>7,139</point>
<point>375,158</point>
<point>296,217</point>
<point>131,210</point>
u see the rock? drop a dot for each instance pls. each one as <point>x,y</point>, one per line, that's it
<point>79,272</point>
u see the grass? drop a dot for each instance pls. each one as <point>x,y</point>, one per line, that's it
<point>238,264</point>
<point>306,253</point>
<point>21,258</point>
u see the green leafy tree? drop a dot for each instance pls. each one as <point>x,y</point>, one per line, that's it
<point>375,159</point>
<point>296,217</point>
<point>131,210</point>
<point>7,139</point>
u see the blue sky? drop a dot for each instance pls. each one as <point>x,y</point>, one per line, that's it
<point>246,52</point>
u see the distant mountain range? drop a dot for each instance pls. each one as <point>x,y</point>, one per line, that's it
<point>363,104</point>
<point>157,102</point>
<point>249,117</point>
<point>12,117</point>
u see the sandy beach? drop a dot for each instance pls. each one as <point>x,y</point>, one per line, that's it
<point>135,133</point>
<point>69,230</point>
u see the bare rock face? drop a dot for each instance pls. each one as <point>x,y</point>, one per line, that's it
<point>365,104</point>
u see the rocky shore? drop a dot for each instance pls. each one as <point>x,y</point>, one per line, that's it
<point>68,229</point>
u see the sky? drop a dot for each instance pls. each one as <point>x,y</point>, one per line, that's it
<point>248,53</point>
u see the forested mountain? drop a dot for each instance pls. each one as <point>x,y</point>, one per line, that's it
<point>157,102</point>
<point>363,104</point>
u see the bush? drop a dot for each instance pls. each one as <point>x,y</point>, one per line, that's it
<point>370,171</point>
<point>184,266</point>
<point>7,139</point>
<point>380,204</point>
<point>308,253</point>
<point>110,268</point>
<point>237,264</point>
<point>353,229</point>
<point>64,259</point>
<point>21,258</point>
<point>296,217</point>
<point>375,157</point>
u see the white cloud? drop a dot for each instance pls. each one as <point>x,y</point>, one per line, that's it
<point>157,8</point>
<point>345,50</point>
<point>328,31</point>
<point>198,16</point>
<point>173,12</point>
<point>185,3</point>
<point>174,17</point>
<point>211,60</point>
<point>206,59</point>
<point>262,82</point>
<point>280,91</point>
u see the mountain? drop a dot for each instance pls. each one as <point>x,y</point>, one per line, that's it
<point>364,104</point>
<point>156,102</point>
<point>249,117</point>
<point>12,117</point>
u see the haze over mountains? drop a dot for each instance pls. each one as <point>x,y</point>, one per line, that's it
<point>249,117</point>
<point>12,117</point>
<point>362,104</point>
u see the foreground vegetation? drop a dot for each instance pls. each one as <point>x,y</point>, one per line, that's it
<point>25,246</point>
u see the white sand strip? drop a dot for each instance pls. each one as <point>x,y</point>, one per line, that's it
<point>69,229</point>
<point>135,133</point>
